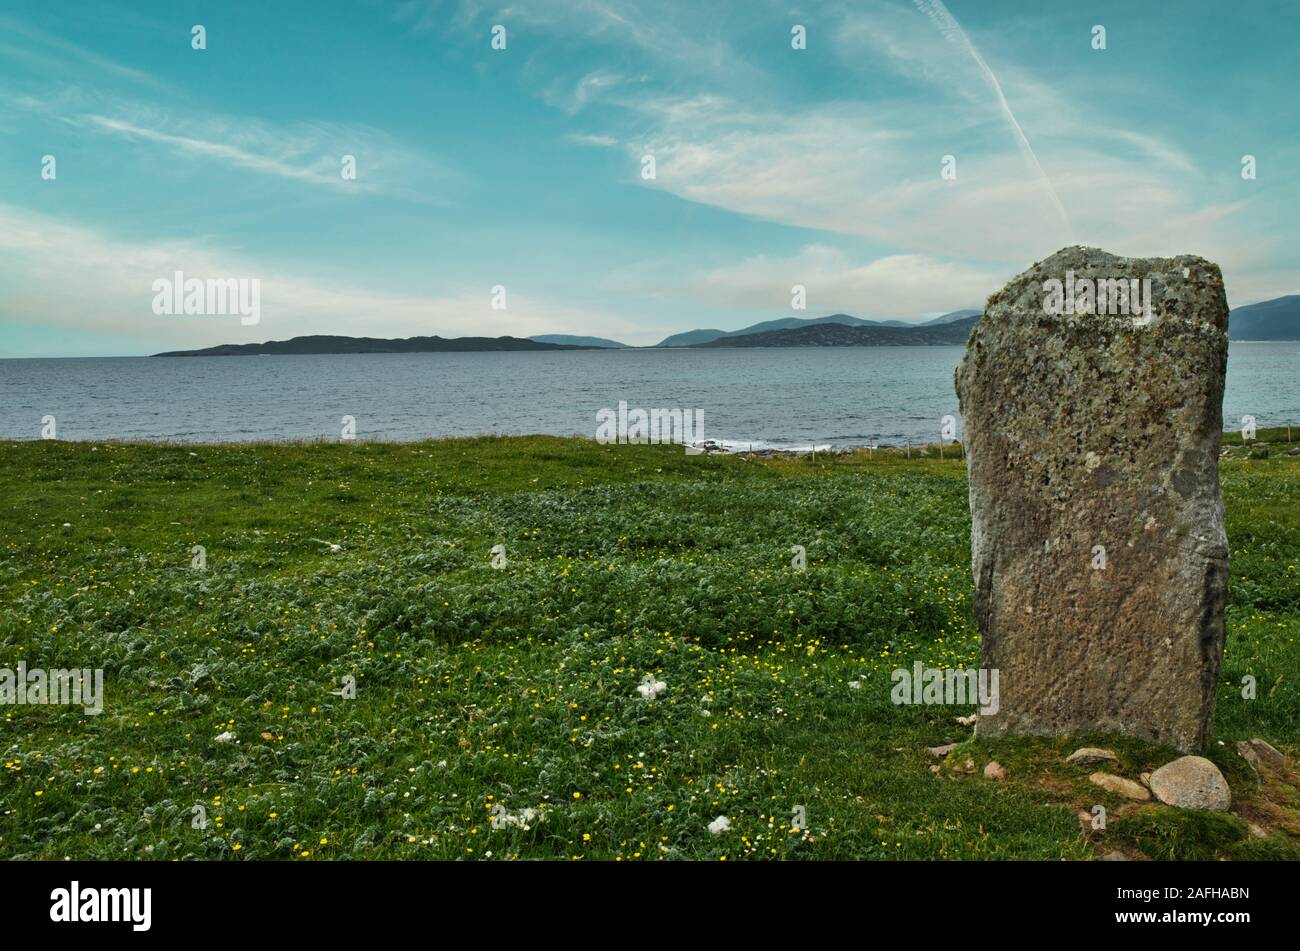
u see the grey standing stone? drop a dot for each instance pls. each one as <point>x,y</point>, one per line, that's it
<point>1092,431</point>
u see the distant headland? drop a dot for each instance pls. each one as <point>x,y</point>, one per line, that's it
<point>328,343</point>
<point>1277,319</point>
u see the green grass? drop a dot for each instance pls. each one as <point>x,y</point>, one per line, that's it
<point>479,688</point>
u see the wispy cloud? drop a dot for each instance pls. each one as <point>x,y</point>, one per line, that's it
<point>318,171</point>
<point>56,56</point>
<point>68,275</point>
<point>947,25</point>
<point>870,167</point>
<point>884,287</point>
<point>774,166</point>
<point>669,38</point>
<point>571,95</point>
<point>309,152</point>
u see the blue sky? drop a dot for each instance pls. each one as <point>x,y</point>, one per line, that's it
<point>522,167</point>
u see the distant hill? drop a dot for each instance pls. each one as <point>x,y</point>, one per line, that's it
<point>572,340</point>
<point>692,338</point>
<point>955,315</point>
<point>324,343</point>
<point>839,335</point>
<point>1277,319</point>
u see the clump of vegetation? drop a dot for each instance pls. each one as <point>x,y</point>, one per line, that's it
<point>348,675</point>
<point>1261,443</point>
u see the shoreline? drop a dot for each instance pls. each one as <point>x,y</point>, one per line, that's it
<point>1284,435</point>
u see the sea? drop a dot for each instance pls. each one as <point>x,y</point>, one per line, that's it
<point>761,398</point>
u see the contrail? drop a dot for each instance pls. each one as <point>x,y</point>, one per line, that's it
<point>954,34</point>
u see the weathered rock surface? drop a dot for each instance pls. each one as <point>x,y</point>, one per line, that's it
<point>1192,782</point>
<point>1247,752</point>
<point>1268,753</point>
<point>1120,786</point>
<point>1087,755</point>
<point>1098,548</point>
<point>995,771</point>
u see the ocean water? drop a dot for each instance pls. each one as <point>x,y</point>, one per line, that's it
<point>767,398</point>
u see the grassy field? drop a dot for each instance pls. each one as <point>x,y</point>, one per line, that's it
<point>483,692</point>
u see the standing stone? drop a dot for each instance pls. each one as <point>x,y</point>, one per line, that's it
<point>1097,543</point>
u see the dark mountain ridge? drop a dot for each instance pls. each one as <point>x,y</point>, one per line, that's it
<point>329,343</point>
<point>691,338</point>
<point>576,340</point>
<point>839,335</point>
<point>1277,319</point>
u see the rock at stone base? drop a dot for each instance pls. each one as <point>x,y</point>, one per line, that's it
<point>1247,752</point>
<point>1192,782</point>
<point>1120,786</point>
<point>995,771</point>
<point>1087,755</point>
<point>1098,549</point>
<point>1268,753</point>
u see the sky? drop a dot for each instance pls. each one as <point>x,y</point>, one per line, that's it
<point>525,168</point>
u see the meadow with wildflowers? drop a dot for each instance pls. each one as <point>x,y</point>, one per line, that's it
<point>352,674</point>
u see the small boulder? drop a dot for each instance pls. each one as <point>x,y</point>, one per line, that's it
<point>1247,752</point>
<point>995,771</point>
<point>1087,755</point>
<point>1192,782</point>
<point>1268,753</point>
<point>1120,786</point>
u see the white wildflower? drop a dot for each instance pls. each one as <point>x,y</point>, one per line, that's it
<point>651,688</point>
